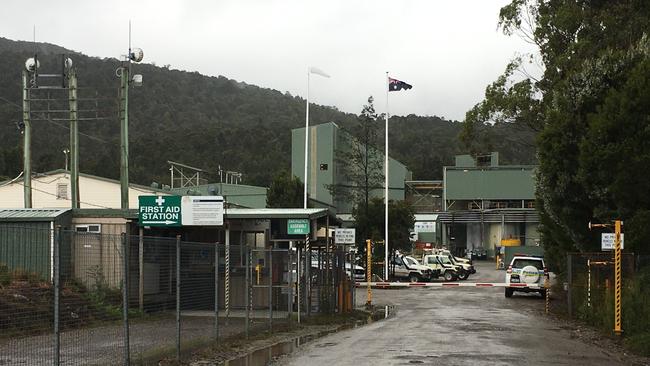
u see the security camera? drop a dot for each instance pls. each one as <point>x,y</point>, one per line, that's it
<point>31,64</point>
<point>136,55</point>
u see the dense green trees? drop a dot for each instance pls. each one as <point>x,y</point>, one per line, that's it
<point>199,120</point>
<point>285,191</point>
<point>370,225</point>
<point>589,110</point>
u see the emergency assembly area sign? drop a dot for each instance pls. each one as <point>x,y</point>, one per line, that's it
<point>159,211</point>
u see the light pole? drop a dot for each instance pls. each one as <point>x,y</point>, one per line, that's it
<point>317,71</point>
<point>66,152</point>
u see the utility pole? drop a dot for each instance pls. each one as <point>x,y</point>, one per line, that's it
<point>124,71</point>
<point>27,142</point>
<point>74,138</point>
<point>124,134</point>
<point>369,273</point>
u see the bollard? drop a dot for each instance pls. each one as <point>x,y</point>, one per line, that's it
<point>547,293</point>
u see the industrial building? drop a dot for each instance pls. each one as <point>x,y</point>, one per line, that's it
<point>326,142</point>
<point>487,205</point>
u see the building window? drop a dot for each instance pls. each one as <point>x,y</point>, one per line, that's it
<point>62,191</point>
<point>88,228</point>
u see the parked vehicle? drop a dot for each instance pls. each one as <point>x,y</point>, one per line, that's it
<point>467,268</point>
<point>444,266</point>
<point>457,259</point>
<point>528,270</point>
<point>407,267</point>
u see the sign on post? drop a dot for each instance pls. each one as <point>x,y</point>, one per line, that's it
<point>344,236</point>
<point>298,226</point>
<point>607,241</point>
<point>202,210</point>
<point>162,211</point>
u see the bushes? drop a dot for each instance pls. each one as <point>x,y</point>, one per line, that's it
<point>7,276</point>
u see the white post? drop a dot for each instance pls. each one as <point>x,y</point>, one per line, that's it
<point>306,142</point>
<point>386,189</point>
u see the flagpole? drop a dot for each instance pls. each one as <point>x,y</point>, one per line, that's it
<point>306,142</point>
<point>386,188</point>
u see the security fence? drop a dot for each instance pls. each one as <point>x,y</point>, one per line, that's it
<point>589,289</point>
<point>70,297</point>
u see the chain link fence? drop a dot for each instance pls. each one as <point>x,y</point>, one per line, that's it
<point>83,298</point>
<point>589,290</point>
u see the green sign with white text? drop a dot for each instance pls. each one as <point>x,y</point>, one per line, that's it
<point>159,211</point>
<point>298,226</point>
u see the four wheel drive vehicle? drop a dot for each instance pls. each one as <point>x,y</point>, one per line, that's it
<point>409,268</point>
<point>457,259</point>
<point>446,268</point>
<point>526,270</point>
<point>466,267</point>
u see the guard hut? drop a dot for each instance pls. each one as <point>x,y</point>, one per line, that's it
<point>264,250</point>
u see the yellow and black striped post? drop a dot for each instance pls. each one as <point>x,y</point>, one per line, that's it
<point>547,293</point>
<point>617,278</point>
<point>369,272</point>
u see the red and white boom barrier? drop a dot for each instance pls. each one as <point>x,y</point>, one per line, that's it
<point>444,284</point>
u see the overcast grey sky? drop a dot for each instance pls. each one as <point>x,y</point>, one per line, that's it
<point>448,50</point>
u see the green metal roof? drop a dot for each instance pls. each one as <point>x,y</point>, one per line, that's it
<point>275,213</point>
<point>105,213</point>
<point>31,214</point>
<point>238,194</point>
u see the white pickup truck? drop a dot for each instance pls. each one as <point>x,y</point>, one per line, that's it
<point>445,267</point>
<point>407,267</point>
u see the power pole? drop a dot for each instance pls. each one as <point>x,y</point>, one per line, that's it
<point>74,138</point>
<point>124,134</point>
<point>27,143</point>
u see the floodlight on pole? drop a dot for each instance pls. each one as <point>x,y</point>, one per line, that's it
<point>124,72</point>
<point>317,71</point>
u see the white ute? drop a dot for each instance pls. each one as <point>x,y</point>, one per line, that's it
<point>526,270</point>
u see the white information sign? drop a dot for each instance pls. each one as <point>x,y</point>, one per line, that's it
<point>425,227</point>
<point>607,241</point>
<point>202,210</point>
<point>344,236</point>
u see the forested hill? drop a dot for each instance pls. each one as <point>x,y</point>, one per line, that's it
<point>199,120</point>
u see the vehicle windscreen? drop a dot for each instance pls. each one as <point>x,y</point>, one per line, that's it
<point>410,261</point>
<point>431,260</point>
<point>521,263</point>
<point>445,260</point>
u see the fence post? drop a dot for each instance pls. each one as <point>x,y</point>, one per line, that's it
<point>125,296</point>
<point>247,293</point>
<point>56,273</point>
<point>569,285</point>
<point>178,297</point>
<point>271,289</point>
<point>289,281</point>
<point>216,291</point>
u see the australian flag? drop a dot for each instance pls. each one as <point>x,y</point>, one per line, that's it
<point>397,85</point>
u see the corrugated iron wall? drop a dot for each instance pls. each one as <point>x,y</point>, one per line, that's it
<point>27,246</point>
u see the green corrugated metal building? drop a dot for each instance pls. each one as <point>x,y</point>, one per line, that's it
<point>485,203</point>
<point>240,195</point>
<point>27,239</point>
<point>324,142</point>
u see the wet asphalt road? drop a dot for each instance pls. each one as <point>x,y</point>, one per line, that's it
<point>455,326</point>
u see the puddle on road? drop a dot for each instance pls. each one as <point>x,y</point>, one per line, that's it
<point>264,356</point>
